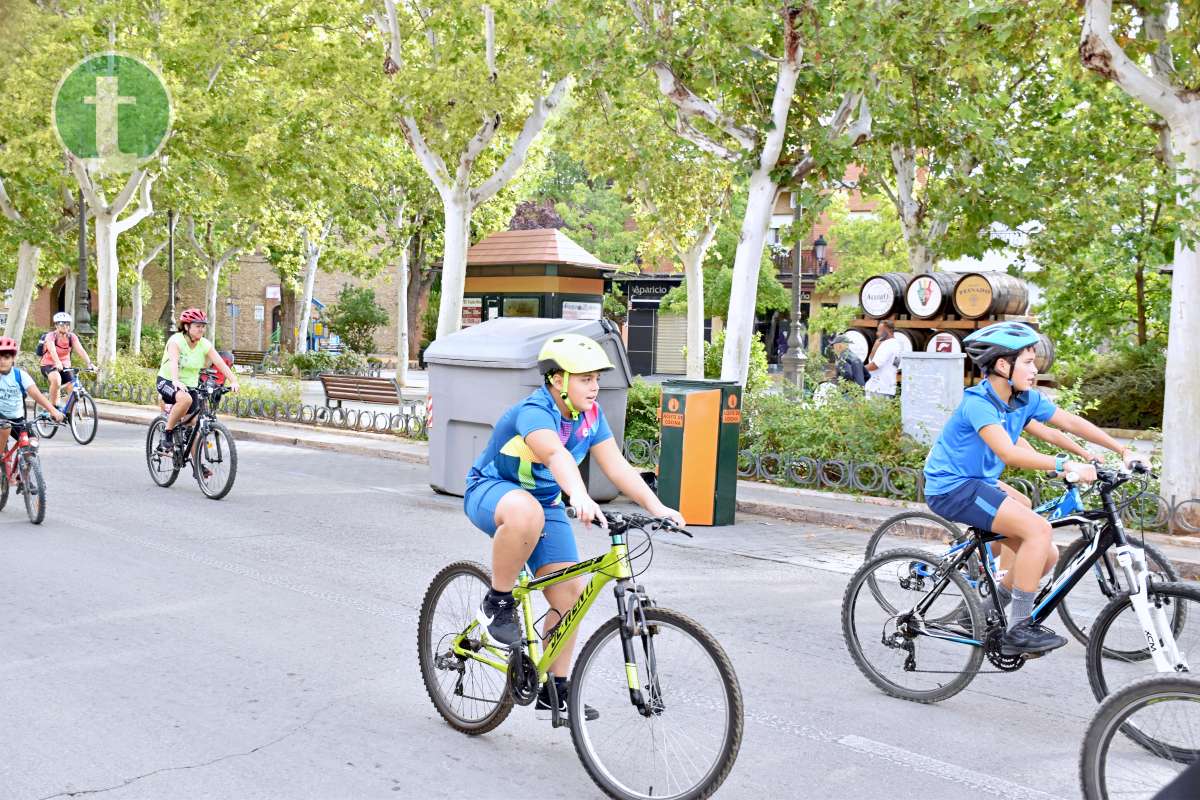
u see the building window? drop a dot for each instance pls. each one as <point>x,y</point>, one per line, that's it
<point>522,307</point>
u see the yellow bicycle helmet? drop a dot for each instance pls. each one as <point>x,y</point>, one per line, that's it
<point>571,353</point>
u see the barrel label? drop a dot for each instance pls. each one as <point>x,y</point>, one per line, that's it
<point>924,296</point>
<point>877,297</point>
<point>973,296</point>
<point>732,416</point>
<point>944,343</point>
<point>670,420</point>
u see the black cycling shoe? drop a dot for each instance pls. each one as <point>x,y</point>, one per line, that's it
<point>497,616</point>
<point>564,689</point>
<point>1027,639</point>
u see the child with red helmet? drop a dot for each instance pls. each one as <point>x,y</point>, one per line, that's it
<point>15,383</point>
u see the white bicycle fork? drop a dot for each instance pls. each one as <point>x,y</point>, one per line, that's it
<point>1160,639</point>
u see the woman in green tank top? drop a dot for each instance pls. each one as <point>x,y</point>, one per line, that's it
<point>187,352</point>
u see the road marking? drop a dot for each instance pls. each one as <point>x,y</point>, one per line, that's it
<point>978,781</point>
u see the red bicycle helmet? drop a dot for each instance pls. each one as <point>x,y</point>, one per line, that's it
<point>8,345</point>
<point>193,315</point>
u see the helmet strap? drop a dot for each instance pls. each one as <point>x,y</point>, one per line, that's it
<point>566,400</point>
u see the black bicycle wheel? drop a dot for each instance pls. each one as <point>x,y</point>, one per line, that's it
<point>471,696</point>
<point>42,423</point>
<point>1118,652</point>
<point>892,647</point>
<point>1161,715</point>
<point>33,488</point>
<point>689,742</point>
<point>84,420</point>
<point>215,461</point>
<point>3,486</point>
<point>1084,602</point>
<point>161,465</point>
<point>915,525</point>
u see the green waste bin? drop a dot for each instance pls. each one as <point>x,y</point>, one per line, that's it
<point>697,469</point>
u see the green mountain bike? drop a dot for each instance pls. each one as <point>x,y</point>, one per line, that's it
<point>670,707</point>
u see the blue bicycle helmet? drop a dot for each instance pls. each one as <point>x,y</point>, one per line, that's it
<point>1002,340</point>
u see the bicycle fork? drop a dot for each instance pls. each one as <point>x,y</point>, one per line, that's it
<point>631,602</point>
<point>1160,639</point>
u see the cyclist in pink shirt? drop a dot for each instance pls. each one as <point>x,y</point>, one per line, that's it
<point>56,347</point>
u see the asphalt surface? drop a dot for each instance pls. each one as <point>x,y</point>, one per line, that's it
<point>157,644</point>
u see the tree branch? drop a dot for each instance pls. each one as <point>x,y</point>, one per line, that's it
<point>145,205</point>
<point>127,192</point>
<point>708,145</point>
<point>489,34</point>
<point>431,162</point>
<point>6,206</point>
<point>692,106</point>
<point>191,232</point>
<point>91,194</point>
<point>395,56</point>
<point>478,143</point>
<point>145,262</point>
<point>543,107</point>
<point>1101,54</point>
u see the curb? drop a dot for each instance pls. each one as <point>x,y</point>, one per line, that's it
<point>415,456</point>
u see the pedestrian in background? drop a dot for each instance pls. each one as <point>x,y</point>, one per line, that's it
<point>884,361</point>
<point>848,366</point>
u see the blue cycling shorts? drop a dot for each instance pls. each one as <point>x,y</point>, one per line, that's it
<point>974,503</point>
<point>557,545</point>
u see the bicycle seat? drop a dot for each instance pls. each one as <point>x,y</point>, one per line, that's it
<point>985,536</point>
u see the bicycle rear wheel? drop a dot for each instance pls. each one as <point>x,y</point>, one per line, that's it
<point>1118,653</point>
<point>689,742</point>
<point>84,420</point>
<point>33,488</point>
<point>471,696</point>
<point>42,423</point>
<point>161,465</point>
<point>1161,714</point>
<point>924,659</point>
<point>1084,602</point>
<point>215,461</point>
<point>3,486</point>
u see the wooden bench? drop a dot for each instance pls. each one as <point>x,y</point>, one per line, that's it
<point>359,388</point>
<point>251,358</point>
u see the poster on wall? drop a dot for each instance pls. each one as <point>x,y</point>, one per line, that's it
<point>575,310</point>
<point>472,311</point>
<point>273,292</point>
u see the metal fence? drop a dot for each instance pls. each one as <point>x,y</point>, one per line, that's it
<point>1149,512</point>
<point>408,421</point>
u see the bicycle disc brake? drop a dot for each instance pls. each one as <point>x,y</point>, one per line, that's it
<point>522,678</point>
<point>991,648</point>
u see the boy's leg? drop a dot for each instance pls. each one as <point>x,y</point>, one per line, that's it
<point>561,598</point>
<point>519,520</point>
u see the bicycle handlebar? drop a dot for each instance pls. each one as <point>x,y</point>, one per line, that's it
<point>622,521</point>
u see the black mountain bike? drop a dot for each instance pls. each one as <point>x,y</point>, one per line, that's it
<point>80,411</point>
<point>208,445</point>
<point>919,630</point>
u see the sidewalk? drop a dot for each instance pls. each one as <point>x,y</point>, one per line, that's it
<point>819,513</point>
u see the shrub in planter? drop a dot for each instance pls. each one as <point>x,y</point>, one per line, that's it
<point>756,376</point>
<point>641,411</point>
<point>1125,389</point>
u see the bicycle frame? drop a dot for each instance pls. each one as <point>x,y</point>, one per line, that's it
<point>1132,560</point>
<point>612,566</point>
<point>18,440</point>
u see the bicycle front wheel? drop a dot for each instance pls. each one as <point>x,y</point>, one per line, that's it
<point>915,525</point>
<point>471,696</point>
<point>84,420</point>
<point>44,426</point>
<point>3,486</point>
<point>33,488</point>
<point>161,465</point>
<point>215,462</point>
<point>1118,652</point>
<point>924,658</point>
<point>686,743</point>
<point>1161,715</point>
<point>1084,602</point>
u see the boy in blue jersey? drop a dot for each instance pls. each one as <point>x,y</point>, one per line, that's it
<point>514,488</point>
<point>962,470</point>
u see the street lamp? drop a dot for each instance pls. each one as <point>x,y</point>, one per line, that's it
<point>171,269</point>
<point>83,311</point>
<point>794,359</point>
<point>819,254</point>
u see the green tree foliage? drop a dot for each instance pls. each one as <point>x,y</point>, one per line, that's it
<point>355,316</point>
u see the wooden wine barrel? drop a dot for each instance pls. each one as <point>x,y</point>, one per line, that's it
<point>912,340</point>
<point>861,340</point>
<point>882,296</point>
<point>947,341</point>
<point>930,295</point>
<point>1043,353</point>
<point>982,294</point>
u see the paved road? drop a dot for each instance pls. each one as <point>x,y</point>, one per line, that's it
<point>157,644</point>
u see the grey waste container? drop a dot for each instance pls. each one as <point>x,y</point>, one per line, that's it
<point>476,374</point>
